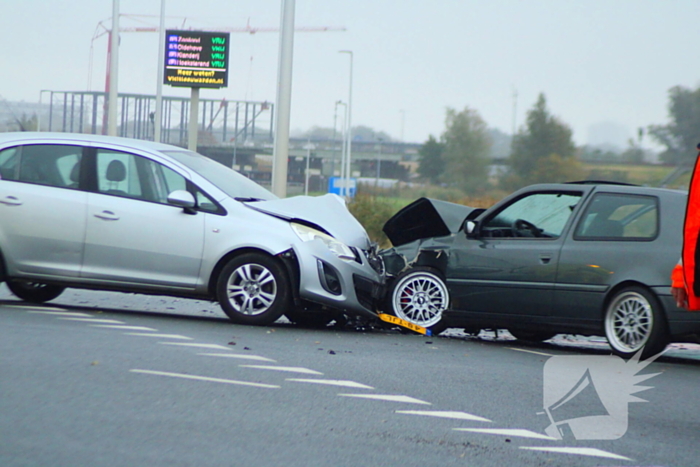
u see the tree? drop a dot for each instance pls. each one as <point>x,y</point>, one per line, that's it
<point>25,123</point>
<point>681,135</point>
<point>431,165</point>
<point>467,148</point>
<point>543,150</point>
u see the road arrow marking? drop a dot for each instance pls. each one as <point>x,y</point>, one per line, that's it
<point>163,336</point>
<point>241,356</point>
<point>118,326</point>
<point>332,382</point>
<point>202,346</point>
<point>95,320</point>
<point>508,432</point>
<point>579,451</point>
<point>293,369</point>
<point>388,397</point>
<point>205,378</point>
<point>445,414</point>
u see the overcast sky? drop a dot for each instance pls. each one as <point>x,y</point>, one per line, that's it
<point>601,63</point>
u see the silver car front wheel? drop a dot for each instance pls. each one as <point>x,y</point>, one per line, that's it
<point>633,321</point>
<point>419,296</point>
<point>253,289</point>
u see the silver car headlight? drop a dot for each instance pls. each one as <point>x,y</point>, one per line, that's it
<point>307,234</point>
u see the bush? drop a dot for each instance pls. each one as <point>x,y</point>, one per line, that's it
<point>373,212</point>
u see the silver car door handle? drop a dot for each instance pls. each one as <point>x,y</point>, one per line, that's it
<point>11,201</point>
<point>107,215</point>
<point>545,259</point>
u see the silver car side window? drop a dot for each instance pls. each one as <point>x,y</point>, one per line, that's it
<point>9,159</point>
<point>128,175</point>
<point>43,164</point>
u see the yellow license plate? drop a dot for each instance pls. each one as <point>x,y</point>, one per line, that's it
<point>404,324</point>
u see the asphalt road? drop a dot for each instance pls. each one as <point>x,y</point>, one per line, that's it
<point>124,380</point>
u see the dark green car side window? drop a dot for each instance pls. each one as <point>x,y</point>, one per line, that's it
<point>613,216</point>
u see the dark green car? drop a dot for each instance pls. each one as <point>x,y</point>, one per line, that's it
<point>578,258</point>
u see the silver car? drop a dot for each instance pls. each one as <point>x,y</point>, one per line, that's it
<point>125,215</point>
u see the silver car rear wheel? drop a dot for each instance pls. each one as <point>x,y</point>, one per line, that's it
<point>35,292</point>
<point>253,289</point>
<point>633,321</point>
<point>419,296</point>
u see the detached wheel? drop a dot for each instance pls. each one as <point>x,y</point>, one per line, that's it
<point>35,292</point>
<point>531,336</point>
<point>634,320</point>
<point>420,296</point>
<point>253,289</point>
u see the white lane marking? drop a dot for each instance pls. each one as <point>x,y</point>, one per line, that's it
<point>59,313</point>
<point>445,414</point>
<point>508,432</point>
<point>292,369</point>
<point>95,320</point>
<point>206,378</point>
<point>201,346</point>
<point>242,356</point>
<point>119,326</point>
<point>331,382</point>
<point>579,451</point>
<point>163,336</point>
<point>532,351</point>
<point>388,397</point>
<point>30,307</point>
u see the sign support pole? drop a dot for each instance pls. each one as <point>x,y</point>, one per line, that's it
<point>192,129</point>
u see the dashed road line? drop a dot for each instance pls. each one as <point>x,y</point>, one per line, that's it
<point>59,313</point>
<point>193,344</point>
<point>162,336</point>
<point>95,320</point>
<point>592,452</point>
<point>331,382</point>
<point>241,356</point>
<point>508,432</point>
<point>445,414</point>
<point>532,351</point>
<point>388,397</point>
<point>292,369</point>
<point>205,378</point>
<point>119,326</point>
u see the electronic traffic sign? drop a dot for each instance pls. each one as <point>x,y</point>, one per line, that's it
<point>196,59</point>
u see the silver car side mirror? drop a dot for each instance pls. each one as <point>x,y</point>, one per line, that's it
<point>183,199</point>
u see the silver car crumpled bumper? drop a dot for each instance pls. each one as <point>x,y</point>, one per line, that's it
<point>351,286</point>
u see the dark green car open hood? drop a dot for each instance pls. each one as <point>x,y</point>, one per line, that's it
<point>426,218</point>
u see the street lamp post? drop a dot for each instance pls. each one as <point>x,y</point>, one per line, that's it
<point>348,124</point>
<point>308,148</point>
<point>335,124</point>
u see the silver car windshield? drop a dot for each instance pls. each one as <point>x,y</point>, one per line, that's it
<point>224,178</point>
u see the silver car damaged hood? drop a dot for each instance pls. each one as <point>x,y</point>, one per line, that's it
<point>328,212</point>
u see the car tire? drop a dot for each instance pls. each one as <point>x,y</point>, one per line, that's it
<point>531,336</point>
<point>253,289</point>
<point>35,292</point>
<point>634,321</point>
<point>420,296</point>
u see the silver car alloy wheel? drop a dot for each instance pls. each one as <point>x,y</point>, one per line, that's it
<point>251,289</point>
<point>420,298</point>
<point>629,322</point>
